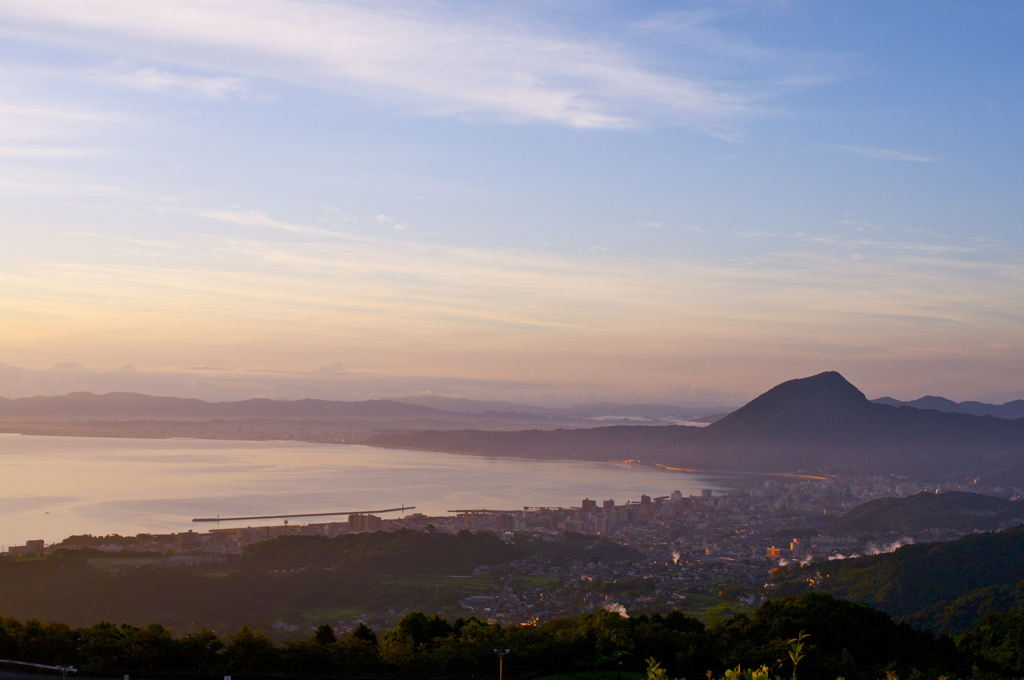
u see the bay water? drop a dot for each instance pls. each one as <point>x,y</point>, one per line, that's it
<point>54,487</point>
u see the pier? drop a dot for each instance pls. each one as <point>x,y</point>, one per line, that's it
<point>303,514</point>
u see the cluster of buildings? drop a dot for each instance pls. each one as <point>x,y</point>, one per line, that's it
<point>698,552</point>
<point>689,552</point>
<point>30,548</point>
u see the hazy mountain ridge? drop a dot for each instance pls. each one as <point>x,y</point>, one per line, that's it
<point>823,422</point>
<point>1011,410</point>
<point>812,425</point>
<point>121,406</point>
<point>596,410</point>
<point>477,406</point>
<point>599,443</point>
<point>129,405</point>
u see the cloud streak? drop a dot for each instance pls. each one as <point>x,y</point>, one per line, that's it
<point>153,80</point>
<point>406,308</point>
<point>254,218</point>
<point>35,123</point>
<point>49,152</point>
<point>425,58</point>
<point>887,154</point>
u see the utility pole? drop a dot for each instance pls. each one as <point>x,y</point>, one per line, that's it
<point>501,662</point>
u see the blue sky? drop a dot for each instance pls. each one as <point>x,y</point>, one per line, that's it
<point>549,201</point>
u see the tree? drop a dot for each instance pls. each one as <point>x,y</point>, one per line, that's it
<point>363,633</point>
<point>325,635</point>
<point>103,649</point>
<point>250,649</point>
<point>201,651</point>
<point>151,648</point>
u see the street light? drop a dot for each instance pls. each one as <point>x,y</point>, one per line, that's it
<point>501,662</point>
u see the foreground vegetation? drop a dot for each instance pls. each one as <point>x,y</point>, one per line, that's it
<point>842,639</point>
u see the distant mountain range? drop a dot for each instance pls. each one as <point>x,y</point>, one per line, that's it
<point>131,406</point>
<point>1010,410</point>
<point>650,412</point>
<point>820,424</point>
<point>79,406</point>
<point>122,406</point>
<point>653,412</point>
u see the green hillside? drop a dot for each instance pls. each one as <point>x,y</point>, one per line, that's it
<point>957,510</point>
<point>920,581</point>
<point>960,614</point>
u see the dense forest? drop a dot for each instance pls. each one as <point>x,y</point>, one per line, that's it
<point>944,586</point>
<point>844,639</point>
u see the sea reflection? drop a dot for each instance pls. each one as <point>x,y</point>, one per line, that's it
<point>53,487</point>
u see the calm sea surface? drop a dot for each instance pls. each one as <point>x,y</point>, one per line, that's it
<point>53,487</point>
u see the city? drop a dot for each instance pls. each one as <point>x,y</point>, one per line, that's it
<point>712,554</point>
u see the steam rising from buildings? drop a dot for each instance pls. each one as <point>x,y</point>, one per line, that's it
<point>617,608</point>
<point>802,561</point>
<point>878,549</point>
<point>874,548</point>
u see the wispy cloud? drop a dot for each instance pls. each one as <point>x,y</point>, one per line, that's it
<point>34,123</point>
<point>26,188</point>
<point>887,154</point>
<point>153,80</point>
<point>49,152</point>
<point>39,113</point>
<point>397,307</point>
<point>254,218</point>
<point>221,384</point>
<point>866,240</point>
<point>694,33</point>
<point>426,57</point>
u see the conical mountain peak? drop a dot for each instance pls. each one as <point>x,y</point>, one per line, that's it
<point>825,397</point>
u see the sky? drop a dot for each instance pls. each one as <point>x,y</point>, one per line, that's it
<point>552,201</point>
